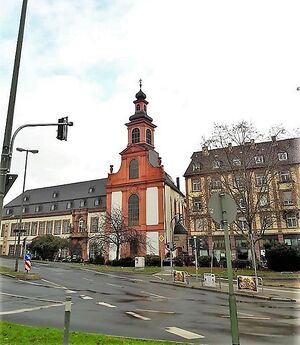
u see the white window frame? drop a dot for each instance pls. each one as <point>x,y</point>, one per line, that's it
<point>196,185</point>
<point>259,159</point>
<point>282,156</point>
<point>287,201</point>
<point>291,221</point>
<point>285,176</point>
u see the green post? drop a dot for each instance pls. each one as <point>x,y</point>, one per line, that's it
<point>232,299</point>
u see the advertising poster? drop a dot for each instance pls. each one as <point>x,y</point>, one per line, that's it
<point>180,277</point>
<point>246,283</point>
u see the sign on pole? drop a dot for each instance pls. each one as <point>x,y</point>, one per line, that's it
<point>209,279</point>
<point>246,283</point>
<point>27,262</point>
<point>216,209</point>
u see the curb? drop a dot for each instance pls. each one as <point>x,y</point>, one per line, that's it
<point>268,298</point>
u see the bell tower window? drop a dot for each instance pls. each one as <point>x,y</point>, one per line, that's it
<point>138,107</point>
<point>148,136</point>
<point>145,108</point>
<point>133,169</point>
<point>135,135</point>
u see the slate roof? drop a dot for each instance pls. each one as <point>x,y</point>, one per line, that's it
<point>74,192</point>
<point>291,146</point>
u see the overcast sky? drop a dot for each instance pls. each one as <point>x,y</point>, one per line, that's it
<point>200,61</point>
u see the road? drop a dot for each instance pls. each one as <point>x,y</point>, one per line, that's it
<point>130,305</point>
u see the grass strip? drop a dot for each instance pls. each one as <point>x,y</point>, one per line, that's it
<point>15,334</point>
<point>19,275</point>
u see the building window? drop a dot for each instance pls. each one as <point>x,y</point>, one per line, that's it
<point>287,198</point>
<point>81,225</point>
<point>66,226</point>
<point>282,156</point>
<point>217,164</point>
<point>242,224</point>
<point>94,224</point>
<point>196,166</point>
<point>265,222</point>
<point>8,211</point>
<point>138,107</point>
<point>24,209</point>
<point>133,169</point>
<point>135,135</point>
<point>133,210</point>
<point>11,250</point>
<point>148,136</point>
<point>69,205</point>
<point>26,198</point>
<point>91,190</point>
<point>97,202</point>
<point>53,207</point>
<point>261,180</point>
<point>291,221</point>
<point>239,182</point>
<point>263,200</point>
<point>49,227</point>
<point>236,162</point>
<point>34,226</point>
<point>57,227</point>
<point>259,159</point>
<point>14,226</point>
<point>216,184</point>
<point>55,195</point>
<point>27,229</point>
<point>197,204</point>
<point>82,203</point>
<point>284,176</point>
<point>196,186</point>
<point>42,227</point>
<point>242,203</point>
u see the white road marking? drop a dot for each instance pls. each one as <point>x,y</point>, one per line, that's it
<point>183,333</point>
<point>138,316</point>
<point>116,285</point>
<point>70,291</point>
<point>31,309</point>
<point>155,311</point>
<point>57,285</point>
<point>107,305</point>
<point>85,297</point>
<point>282,290</point>
<point>250,317</point>
<point>28,297</point>
<point>88,279</point>
<point>113,275</point>
<point>153,294</point>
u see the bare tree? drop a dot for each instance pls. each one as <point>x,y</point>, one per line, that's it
<point>246,164</point>
<point>115,231</point>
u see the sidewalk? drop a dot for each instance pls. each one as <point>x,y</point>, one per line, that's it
<point>221,286</point>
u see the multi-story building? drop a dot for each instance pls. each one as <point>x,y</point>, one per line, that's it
<point>264,180</point>
<point>142,190</point>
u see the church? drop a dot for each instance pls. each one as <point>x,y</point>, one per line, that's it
<point>141,189</point>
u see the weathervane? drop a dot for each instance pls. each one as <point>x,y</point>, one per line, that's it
<point>140,84</point>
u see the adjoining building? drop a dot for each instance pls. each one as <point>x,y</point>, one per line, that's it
<point>141,189</point>
<point>264,180</point>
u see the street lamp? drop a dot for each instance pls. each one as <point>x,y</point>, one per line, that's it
<point>20,230</point>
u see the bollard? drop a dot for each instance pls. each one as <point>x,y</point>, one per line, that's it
<point>68,304</point>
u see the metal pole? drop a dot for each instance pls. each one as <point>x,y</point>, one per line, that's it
<point>232,299</point>
<point>5,156</point>
<point>68,307</point>
<point>253,257</point>
<point>21,214</point>
<point>196,256</point>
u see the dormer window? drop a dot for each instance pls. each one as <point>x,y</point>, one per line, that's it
<point>26,198</point>
<point>69,205</point>
<point>135,136</point>
<point>55,195</point>
<point>82,203</point>
<point>196,166</point>
<point>236,162</point>
<point>37,208</point>
<point>53,207</point>
<point>91,189</point>
<point>148,136</point>
<point>24,209</point>
<point>259,159</point>
<point>97,202</point>
<point>282,156</point>
<point>8,211</point>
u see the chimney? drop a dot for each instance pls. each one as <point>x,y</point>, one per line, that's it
<point>252,142</point>
<point>273,137</point>
<point>205,150</point>
<point>230,146</point>
<point>178,183</point>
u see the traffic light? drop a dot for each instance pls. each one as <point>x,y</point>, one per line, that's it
<point>62,128</point>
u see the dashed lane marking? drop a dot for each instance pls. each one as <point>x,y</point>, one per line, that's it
<point>115,285</point>
<point>70,291</point>
<point>138,316</point>
<point>153,294</point>
<point>249,317</point>
<point>107,305</point>
<point>85,297</point>
<point>29,297</point>
<point>17,311</point>
<point>155,311</point>
<point>183,333</point>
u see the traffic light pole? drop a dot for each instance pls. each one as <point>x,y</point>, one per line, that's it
<point>6,163</point>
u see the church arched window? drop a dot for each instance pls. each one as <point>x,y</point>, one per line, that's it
<point>133,169</point>
<point>148,136</point>
<point>135,135</point>
<point>133,210</point>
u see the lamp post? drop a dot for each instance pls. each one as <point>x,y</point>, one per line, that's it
<point>171,240</point>
<point>20,230</point>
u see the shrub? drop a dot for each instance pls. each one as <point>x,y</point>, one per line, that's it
<point>204,261</point>
<point>281,257</point>
<point>241,263</point>
<point>152,260</point>
<point>189,260</point>
<point>178,261</point>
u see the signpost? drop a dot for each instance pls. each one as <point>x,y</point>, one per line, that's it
<point>223,210</point>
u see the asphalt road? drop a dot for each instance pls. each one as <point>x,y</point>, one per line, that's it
<point>130,305</point>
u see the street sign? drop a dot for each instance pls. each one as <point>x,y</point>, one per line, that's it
<point>10,179</point>
<point>27,265</point>
<point>246,283</point>
<point>27,256</point>
<point>222,203</point>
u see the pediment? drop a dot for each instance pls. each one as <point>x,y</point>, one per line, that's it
<point>133,149</point>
